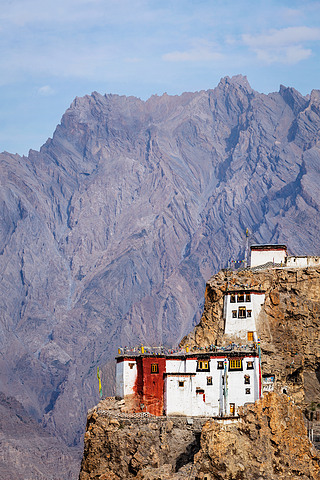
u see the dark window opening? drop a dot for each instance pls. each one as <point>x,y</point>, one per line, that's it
<point>242,312</point>
<point>248,313</point>
<point>249,365</point>
<point>203,365</point>
<point>240,297</point>
<point>234,313</point>
<point>209,380</point>
<point>131,365</point>
<point>248,297</point>
<point>232,298</point>
<point>220,365</point>
<point>247,379</point>
<point>248,391</point>
<point>181,384</point>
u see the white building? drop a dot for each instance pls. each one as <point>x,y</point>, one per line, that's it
<point>302,261</point>
<point>211,386</point>
<point>193,384</point>
<point>262,254</point>
<point>240,311</point>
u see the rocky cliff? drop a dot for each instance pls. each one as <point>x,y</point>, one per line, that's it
<point>269,442</point>
<point>108,234</point>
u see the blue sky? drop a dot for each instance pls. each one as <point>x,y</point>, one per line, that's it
<point>54,50</point>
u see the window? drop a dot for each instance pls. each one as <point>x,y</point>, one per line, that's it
<point>248,297</point>
<point>248,391</point>
<point>181,383</point>
<point>232,409</point>
<point>247,379</point>
<point>248,313</point>
<point>232,298</point>
<point>220,365</point>
<point>235,364</point>
<point>240,297</point>
<point>242,312</point>
<point>131,365</point>
<point>249,365</point>
<point>209,380</point>
<point>203,365</point>
<point>250,336</point>
<point>234,313</point>
<point>154,368</point>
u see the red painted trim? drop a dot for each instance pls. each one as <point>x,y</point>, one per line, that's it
<point>260,386</point>
<point>153,385</point>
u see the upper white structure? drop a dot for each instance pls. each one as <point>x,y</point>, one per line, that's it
<point>241,309</point>
<point>262,254</point>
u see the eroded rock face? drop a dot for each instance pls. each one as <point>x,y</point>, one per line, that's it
<point>122,446</point>
<point>288,325</point>
<point>269,443</point>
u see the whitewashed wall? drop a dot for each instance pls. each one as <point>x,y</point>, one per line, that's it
<point>237,387</point>
<point>241,326</point>
<point>125,377</point>
<point>184,400</point>
<point>260,257</point>
<point>178,400</point>
<point>302,262</point>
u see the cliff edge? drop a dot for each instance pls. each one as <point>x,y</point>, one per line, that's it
<point>268,442</point>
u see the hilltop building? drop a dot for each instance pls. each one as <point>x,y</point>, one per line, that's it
<point>277,255</point>
<point>214,381</point>
<point>262,254</point>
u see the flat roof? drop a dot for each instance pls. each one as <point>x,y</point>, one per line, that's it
<point>268,247</point>
<point>250,351</point>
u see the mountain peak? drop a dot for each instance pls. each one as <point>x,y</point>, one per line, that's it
<point>236,80</point>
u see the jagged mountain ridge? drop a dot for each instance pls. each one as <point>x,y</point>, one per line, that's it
<point>109,233</point>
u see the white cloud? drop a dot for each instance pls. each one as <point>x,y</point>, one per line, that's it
<point>288,55</point>
<point>46,91</point>
<point>284,45</point>
<point>283,37</point>
<point>202,51</point>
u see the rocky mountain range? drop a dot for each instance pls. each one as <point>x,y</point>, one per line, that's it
<point>109,232</point>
